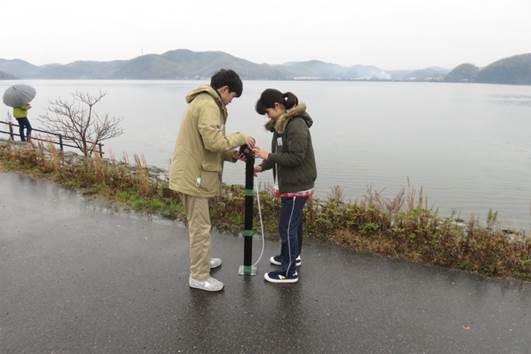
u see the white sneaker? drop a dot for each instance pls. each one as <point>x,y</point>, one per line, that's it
<point>209,284</point>
<point>215,262</point>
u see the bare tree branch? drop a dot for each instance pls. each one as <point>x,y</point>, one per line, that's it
<point>77,121</point>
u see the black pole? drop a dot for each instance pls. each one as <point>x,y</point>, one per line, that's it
<point>247,268</point>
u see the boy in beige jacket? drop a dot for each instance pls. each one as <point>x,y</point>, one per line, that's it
<point>197,166</point>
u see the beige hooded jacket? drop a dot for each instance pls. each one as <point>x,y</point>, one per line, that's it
<point>202,146</point>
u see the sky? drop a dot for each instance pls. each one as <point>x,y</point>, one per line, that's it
<point>391,34</point>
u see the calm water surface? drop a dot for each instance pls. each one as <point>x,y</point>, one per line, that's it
<point>467,145</point>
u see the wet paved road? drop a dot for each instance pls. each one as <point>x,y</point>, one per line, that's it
<point>76,277</point>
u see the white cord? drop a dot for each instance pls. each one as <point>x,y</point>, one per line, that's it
<point>261,222</point>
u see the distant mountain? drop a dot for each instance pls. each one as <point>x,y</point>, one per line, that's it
<point>186,64</point>
<point>204,64</point>
<point>319,70</point>
<point>4,76</point>
<point>513,70</point>
<point>433,73</point>
<point>82,70</point>
<point>17,67</point>
<point>463,73</point>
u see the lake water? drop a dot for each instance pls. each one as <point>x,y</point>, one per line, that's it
<point>467,145</point>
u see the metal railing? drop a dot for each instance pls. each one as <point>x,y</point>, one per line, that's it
<point>54,138</point>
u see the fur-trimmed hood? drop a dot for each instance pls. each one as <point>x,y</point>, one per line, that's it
<point>280,124</point>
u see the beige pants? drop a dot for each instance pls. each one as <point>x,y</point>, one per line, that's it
<point>199,226</point>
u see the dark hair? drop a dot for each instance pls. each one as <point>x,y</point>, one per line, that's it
<point>269,97</point>
<point>228,78</point>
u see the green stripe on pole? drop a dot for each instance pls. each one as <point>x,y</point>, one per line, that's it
<point>248,233</point>
<point>248,192</point>
<point>248,269</point>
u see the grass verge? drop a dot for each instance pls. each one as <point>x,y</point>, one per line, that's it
<point>402,226</point>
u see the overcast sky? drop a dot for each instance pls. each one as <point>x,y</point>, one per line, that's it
<point>391,34</point>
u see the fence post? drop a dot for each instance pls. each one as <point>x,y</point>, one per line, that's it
<point>11,131</point>
<point>101,150</point>
<point>61,142</point>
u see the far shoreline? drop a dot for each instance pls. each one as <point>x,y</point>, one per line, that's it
<point>268,80</point>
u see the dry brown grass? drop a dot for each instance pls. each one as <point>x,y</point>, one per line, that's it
<point>400,226</point>
<point>142,180</point>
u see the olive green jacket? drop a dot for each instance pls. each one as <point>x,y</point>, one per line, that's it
<point>202,146</point>
<point>292,157</point>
